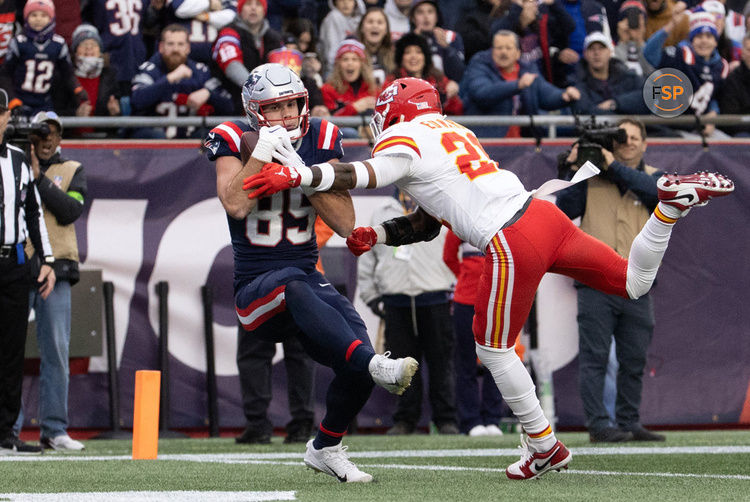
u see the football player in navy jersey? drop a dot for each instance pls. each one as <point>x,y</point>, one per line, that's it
<point>36,57</point>
<point>278,292</point>
<point>171,84</point>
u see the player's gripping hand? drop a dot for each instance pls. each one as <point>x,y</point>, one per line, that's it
<point>361,240</point>
<point>269,138</point>
<point>286,155</point>
<point>272,178</point>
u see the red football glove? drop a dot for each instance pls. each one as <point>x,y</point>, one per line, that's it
<point>272,178</point>
<point>361,240</point>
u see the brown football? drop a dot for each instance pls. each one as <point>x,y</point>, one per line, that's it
<point>247,144</point>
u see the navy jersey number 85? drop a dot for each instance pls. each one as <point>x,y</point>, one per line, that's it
<point>279,232</point>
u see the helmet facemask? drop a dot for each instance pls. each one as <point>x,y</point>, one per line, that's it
<point>302,119</point>
<point>403,100</point>
<point>377,122</point>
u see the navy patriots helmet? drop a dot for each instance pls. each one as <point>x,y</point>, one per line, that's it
<point>273,83</point>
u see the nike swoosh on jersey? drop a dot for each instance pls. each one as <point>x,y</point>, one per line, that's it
<point>324,284</point>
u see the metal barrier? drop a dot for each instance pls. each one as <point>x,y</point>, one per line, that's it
<point>467,120</point>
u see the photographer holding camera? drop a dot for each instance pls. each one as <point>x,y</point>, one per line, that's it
<point>62,188</point>
<point>20,217</point>
<point>613,207</point>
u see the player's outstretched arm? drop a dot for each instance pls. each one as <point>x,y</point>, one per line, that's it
<point>417,226</point>
<point>328,176</point>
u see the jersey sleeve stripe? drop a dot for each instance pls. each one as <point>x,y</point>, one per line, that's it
<point>231,136</point>
<point>325,136</point>
<point>235,127</point>
<point>334,135</point>
<point>396,140</point>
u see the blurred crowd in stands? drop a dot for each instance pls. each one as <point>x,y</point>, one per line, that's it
<point>486,57</point>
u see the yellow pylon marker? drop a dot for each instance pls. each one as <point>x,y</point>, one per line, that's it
<point>146,415</point>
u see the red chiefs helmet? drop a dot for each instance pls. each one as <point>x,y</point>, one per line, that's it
<point>403,100</point>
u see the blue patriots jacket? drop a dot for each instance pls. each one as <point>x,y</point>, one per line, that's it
<point>152,94</point>
<point>280,231</point>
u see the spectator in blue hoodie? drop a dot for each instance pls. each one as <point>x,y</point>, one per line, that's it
<point>699,59</point>
<point>495,83</point>
<point>606,85</point>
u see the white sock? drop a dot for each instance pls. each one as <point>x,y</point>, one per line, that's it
<point>519,392</point>
<point>648,249</point>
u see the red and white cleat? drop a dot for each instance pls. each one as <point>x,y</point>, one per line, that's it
<point>684,191</point>
<point>534,464</point>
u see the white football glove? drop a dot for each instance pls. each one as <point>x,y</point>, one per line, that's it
<point>286,155</point>
<point>269,138</point>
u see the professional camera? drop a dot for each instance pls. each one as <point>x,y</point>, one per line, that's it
<point>592,138</point>
<point>20,130</point>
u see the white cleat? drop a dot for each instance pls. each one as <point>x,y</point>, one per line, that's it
<point>62,443</point>
<point>334,461</point>
<point>394,375</point>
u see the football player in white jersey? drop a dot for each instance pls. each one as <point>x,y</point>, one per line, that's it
<point>442,166</point>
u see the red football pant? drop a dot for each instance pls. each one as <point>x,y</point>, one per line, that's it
<point>542,240</point>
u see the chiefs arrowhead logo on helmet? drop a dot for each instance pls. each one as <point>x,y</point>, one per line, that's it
<point>403,100</point>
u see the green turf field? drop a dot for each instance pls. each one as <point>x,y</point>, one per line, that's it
<point>690,466</point>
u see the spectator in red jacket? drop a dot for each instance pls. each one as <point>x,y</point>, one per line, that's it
<point>351,88</point>
<point>414,59</point>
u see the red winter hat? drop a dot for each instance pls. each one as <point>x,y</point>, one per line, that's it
<point>350,45</point>
<point>43,5</point>
<point>241,3</point>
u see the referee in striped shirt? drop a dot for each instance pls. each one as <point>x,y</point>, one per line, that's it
<point>20,218</point>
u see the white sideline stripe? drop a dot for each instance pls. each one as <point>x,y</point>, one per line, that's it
<point>741,477</point>
<point>661,474</point>
<point>150,496</point>
<point>415,467</point>
<point>484,452</point>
